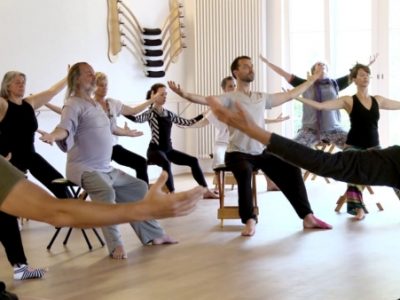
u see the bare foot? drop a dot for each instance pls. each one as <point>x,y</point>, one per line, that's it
<point>164,240</point>
<point>250,228</point>
<point>312,222</point>
<point>210,195</point>
<point>360,214</point>
<point>119,253</point>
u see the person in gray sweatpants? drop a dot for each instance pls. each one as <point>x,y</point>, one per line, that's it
<point>85,133</point>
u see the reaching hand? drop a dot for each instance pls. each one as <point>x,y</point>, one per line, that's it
<point>132,132</point>
<point>46,137</point>
<point>176,88</point>
<point>278,119</point>
<point>162,205</point>
<point>156,96</point>
<point>318,73</point>
<point>372,59</point>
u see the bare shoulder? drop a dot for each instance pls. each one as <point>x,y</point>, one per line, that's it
<point>3,108</point>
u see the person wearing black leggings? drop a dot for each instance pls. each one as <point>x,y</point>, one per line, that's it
<point>18,124</point>
<point>160,151</point>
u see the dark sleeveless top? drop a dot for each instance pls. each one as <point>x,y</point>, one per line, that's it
<point>18,133</point>
<point>363,131</point>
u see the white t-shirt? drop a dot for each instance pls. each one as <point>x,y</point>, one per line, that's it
<point>115,108</point>
<point>255,105</point>
<point>222,133</point>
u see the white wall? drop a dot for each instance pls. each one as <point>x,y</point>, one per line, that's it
<point>41,37</point>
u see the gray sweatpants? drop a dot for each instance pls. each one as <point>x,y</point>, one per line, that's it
<point>119,187</point>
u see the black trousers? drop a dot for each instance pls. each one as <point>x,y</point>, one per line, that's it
<point>287,177</point>
<point>367,167</point>
<point>132,160</point>
<point>9,231</point>
<point>163,159</point>
<point>10,237</point>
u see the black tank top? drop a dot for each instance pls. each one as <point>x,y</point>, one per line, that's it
<point>18,133</point>
<point>363,131</point>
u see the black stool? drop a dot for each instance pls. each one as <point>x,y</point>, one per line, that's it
<point>76,192</point>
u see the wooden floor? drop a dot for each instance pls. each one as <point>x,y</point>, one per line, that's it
<point>355,260</point>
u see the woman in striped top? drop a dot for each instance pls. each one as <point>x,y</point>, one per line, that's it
<point>160,151</point>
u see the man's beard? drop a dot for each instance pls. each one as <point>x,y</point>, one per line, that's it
<point>248,78</point>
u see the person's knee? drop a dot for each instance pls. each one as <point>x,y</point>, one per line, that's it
<point>102,193</point>
<point>141,188</point>
<point>194,162</point>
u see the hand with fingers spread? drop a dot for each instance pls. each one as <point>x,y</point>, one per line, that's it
<point>131,132</point>
<point>278,119</point>
<point>176,88</point>
<point>372,59</point>
<point>46,137</point>
<point>161,205</point>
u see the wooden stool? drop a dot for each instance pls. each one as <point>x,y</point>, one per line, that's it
<point>231,212</point>
<point>229,179</point>
<point>325,146</point>
<point>76,192</point>
<point>343,199</point>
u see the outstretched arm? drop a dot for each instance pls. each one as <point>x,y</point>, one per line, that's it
<point>177,89</point>
<point>126,131</point>
<point>39,205</point>
<point>278,119</point>
<point>276,69</point>
<point>54,108</point>
<point>127,110</point>
<point>37,100</point>
<point>282,97</point>
<point>385,103</point>
<point>326,105</point>
<point>58,134</point>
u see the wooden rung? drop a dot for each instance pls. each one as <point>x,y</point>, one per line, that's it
<point>232,212</point>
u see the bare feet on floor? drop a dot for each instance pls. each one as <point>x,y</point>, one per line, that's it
<point>210,195</point>
<point>164,240</point>
<point>312,222</point>
<point>119,253</point>
<point>250,228</point>
<point>360,214</point>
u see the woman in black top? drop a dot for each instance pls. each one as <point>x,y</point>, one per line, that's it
<point>160,151</point>
<point>18,124</point>
<point>363,110</point>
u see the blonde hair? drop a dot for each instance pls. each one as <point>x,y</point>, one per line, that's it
<point>100,76</point>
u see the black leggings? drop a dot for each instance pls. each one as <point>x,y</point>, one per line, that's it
<point>286,177</point>
<point>10,235</point>
<point>163,159</point>
<point>132,160</point>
